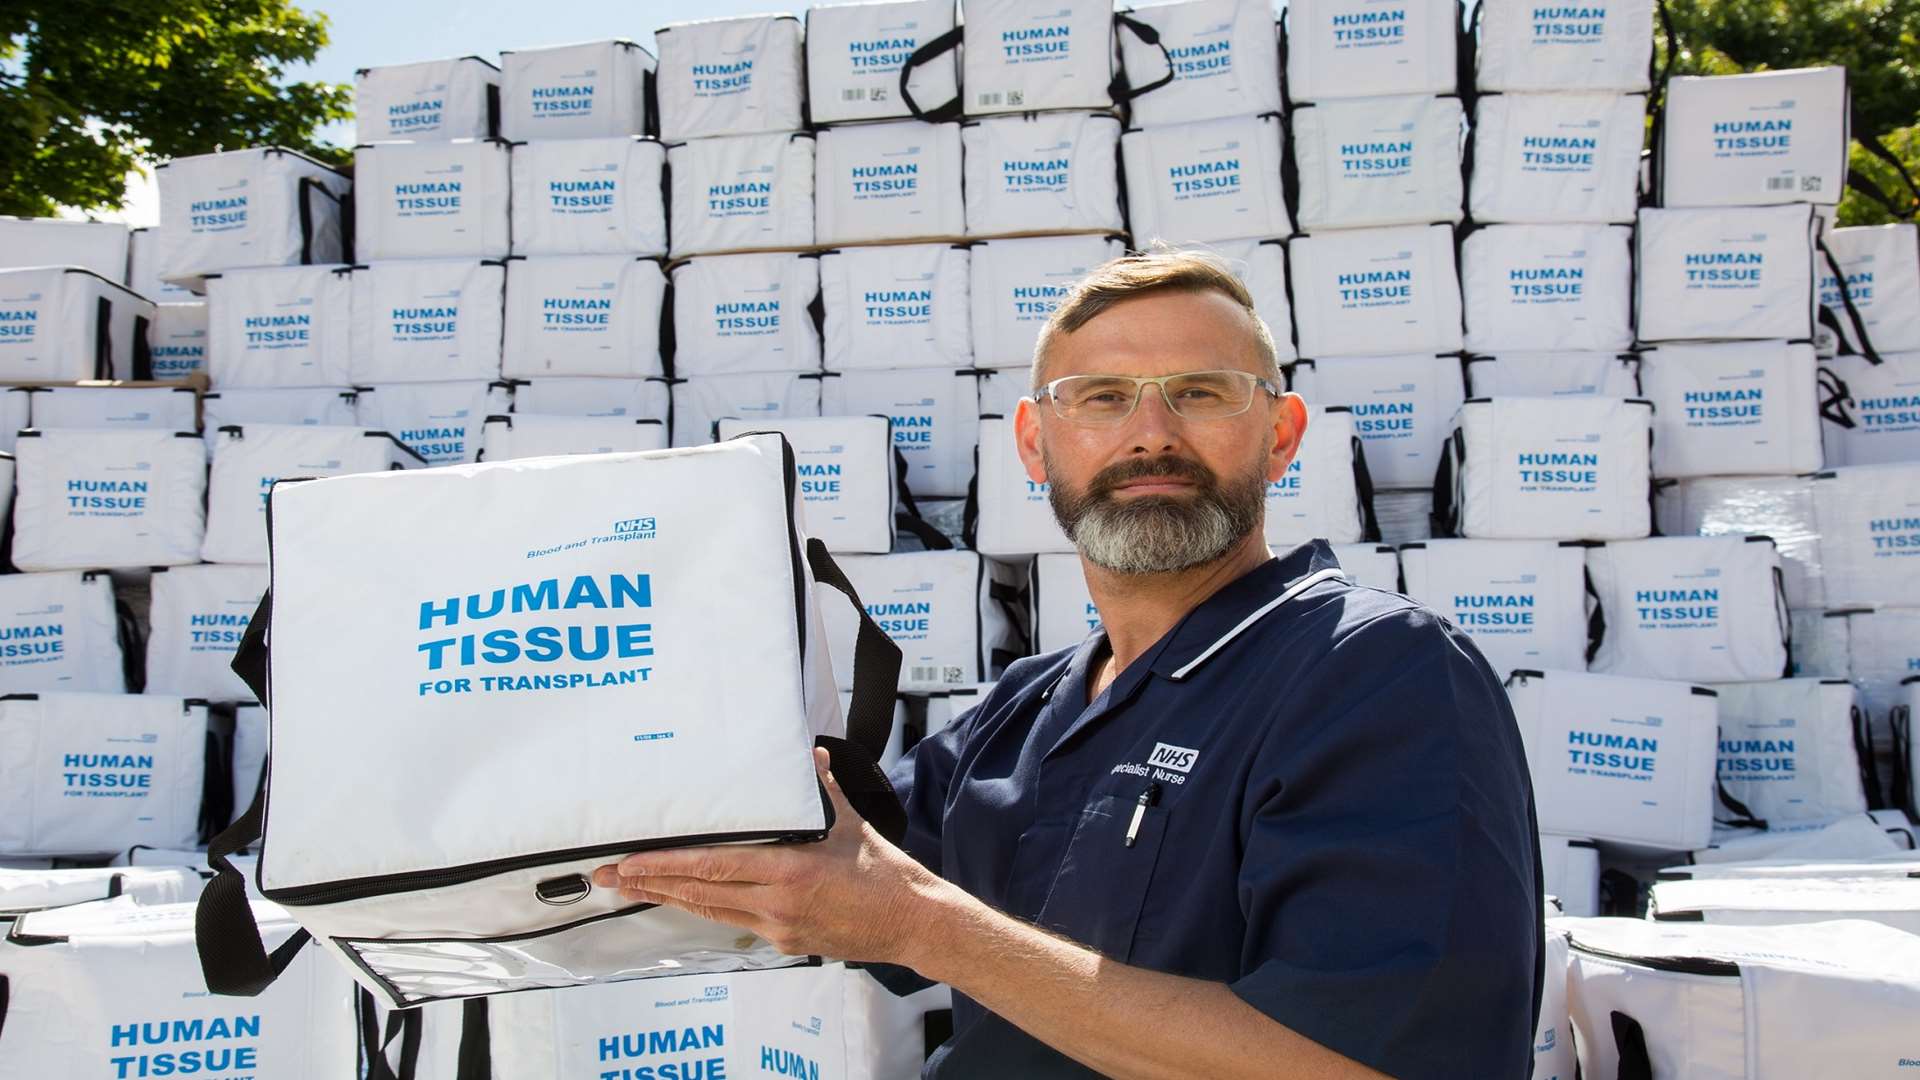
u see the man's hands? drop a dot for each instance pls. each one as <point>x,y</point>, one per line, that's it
<point>848,897</point>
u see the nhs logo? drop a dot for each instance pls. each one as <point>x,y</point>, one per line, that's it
<point>1179,759</point>
<point>637,528</point>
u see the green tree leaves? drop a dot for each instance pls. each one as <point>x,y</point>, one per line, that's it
<point>89,89</point>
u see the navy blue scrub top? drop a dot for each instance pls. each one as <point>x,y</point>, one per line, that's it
<point>1339,824</point>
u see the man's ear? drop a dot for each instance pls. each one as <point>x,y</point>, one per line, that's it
<point>1289,427</point>
<point>1026,439</point>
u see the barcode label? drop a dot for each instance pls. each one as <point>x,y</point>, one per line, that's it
<point>1780,183</point>
<point>855,93</point>
<point>989,99</point>
<point>932,673</point>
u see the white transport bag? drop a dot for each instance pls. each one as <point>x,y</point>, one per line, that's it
<point>1400,406</point>
<point>1379,161</point>
<point>1869,521</point>
<point>1543,158</point>
<point>307,405</point>
<point>90,774</point>
<point>844,466</point>
<point>1881,406</point>
<point>1553,1053</point>
<point>1744,272</point>
<point>146,255</point>
<point>1363,48</point>
<point>241,208</point>
<point>1524,602</point>
<point>1373,565</point>
<point>627,619</point>
<point>1261,265</point>
<point>1724,408</point>
<point>1701,608</point>
<point>1790,749</point>
<point>1628,761</point>
<point>1882,648</point>
<point>742,192</point>
<point>1548,288</point>
<point>528,435</point>
<point>427,320</point>
<point>633,398</point>
<point>735,76</point>
<point>1741,1003</point>
<point>589,197</point>
<point>113,989</point>
<point>748,312</point>
<point>198,617</point>
<point>112,499</point>
<point>591,315</point>
<point>1019,58</point>
<point>62,631</point>
<point>1063,611</point>
<point>855,53</point>
<point>701,401</point>
<point>933,413</point>
<point>125,408</point>
<point>61,323</point>
<point>1042,172</point>
<point>1570,870</point>
<point>1017,284</point>
<point>249,460</point>
<point>1891,901</point>
<point>1376,292</point>
<point>1206,181</point>
<point>1326,492</point>
<point>1567,468</point>
<point>1780,507</point>
<point>1756,139</point>
<point>956,616</point>
<point>897,306</point>
<point>1225,61</point>
<point>177,340</point>
<point>1529,46</point>
<point>22,891</point>
<point>1881,265</point>
<point>434,100</point>
<point>439,422</point>
<point>282,327</point>
<point>1553,375</point>
<point>894,181</point>
<point>431,200</point>
<point>102,247</point>
<point>1010,512</point>
<point>827,1021</point>
<point>594,90</point>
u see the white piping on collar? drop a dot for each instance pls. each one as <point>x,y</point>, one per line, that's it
<point>1298,587</point>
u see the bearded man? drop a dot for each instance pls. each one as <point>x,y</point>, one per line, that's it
<point>1261,823</point>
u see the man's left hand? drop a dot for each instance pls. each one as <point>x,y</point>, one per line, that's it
<point>848,897</point>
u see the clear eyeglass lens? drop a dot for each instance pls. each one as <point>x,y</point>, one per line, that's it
<point>1199,395</point>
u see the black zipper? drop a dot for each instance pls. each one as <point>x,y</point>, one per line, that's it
<point>334,892</point>
<point>1681,965</point>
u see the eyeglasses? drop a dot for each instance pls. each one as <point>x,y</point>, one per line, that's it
<point>1191,395</point>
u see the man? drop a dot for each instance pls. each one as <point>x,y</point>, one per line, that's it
<point>1264,823</point>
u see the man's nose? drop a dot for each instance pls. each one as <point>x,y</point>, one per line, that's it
<point>1154,427</point>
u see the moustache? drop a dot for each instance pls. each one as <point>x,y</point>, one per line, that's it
<point>1109,479</point>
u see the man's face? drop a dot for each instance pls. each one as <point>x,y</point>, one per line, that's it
<point>1156,492</point>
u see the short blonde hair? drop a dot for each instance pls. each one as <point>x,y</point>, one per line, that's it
<point>1137,273</point>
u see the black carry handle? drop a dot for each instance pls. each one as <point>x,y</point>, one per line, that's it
<point>1903,796</point>
<point>1862,725</point>
<point>945,43</point>
<point>1596,619</point>
<point>1743,815</point>
<point>855,760</point>
<point>1118,89</point>
<point>1631,1044</point>
<point>401,1023</point>
<point>476,1042</point>
<point>1444,520</point>
<point>103,338</point>
<point>1846,300</point>
<point>233,958</point>
<point>909,520</point>
<point>1838,395</point>
<point>1363,493</point>
<point>1785,616</point>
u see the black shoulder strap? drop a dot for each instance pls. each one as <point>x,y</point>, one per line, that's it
<point>1846,300</point>
<point>1903,794</point>
<point>1596,619</point>
<point>233,957</point>
<point>1862,725</point>
<point>855,760</point>
<point>1836,395</point>
<point>476,1042</point>
<point>1363,493</point>
<point>1743,815</point>
<point>949,110</point>
<point>1630,1042</point>
<point>909,519</point>
<point>1118,89</point>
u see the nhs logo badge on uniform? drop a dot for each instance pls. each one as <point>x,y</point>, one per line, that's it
<point>1180,759</point>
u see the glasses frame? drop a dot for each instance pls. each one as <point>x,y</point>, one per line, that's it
<point>1140,383</point>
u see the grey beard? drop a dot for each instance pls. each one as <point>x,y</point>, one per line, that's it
<point>1159,534</point>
